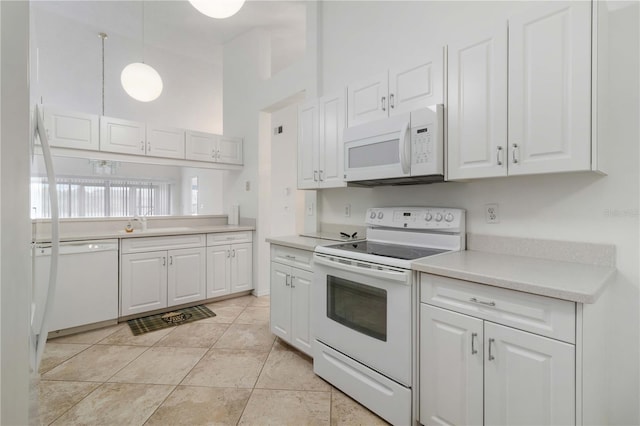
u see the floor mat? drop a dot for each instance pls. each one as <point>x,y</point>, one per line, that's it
<point>169,319</point>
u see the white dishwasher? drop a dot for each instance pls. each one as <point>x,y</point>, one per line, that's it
<point>87,286</point>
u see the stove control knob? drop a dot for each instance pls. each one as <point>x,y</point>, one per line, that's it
<point>448,217</point>
<point>438,217</point>
<point>428,217</point>
<point>380,215</point>
<point>373,215</point>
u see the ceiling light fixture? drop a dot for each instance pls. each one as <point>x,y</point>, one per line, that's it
<point>218,9</point>
<point>139,80</point>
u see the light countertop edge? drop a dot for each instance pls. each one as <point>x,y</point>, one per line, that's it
<point>300,242</point>
<point>105,235</point>
<point>571,281</point>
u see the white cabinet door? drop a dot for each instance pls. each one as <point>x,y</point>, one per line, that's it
<point>229,150</point>
<point>201,146</point>
<point>241,267</point>
<point>330,146</point>
<point>367,100</point>
<point>143,284</point>
<point>186,276</point>
<point>126,137</point>
<point>280,311</point>
<point>165,142</point>
<point>451,378</point>
<point>550,89</point>
<point>218,273</point>
<point>308,145</point>
<point>300,309</point>
<point>528,379</point>
<point>477,118</point>
<point>417,85</point>
<point>67,129</point>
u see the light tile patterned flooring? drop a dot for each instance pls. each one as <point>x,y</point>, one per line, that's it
<point>224,370</point>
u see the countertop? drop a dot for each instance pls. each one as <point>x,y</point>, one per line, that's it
<point>577,282</point>
<point>300,242</point>
<point>151,232</point>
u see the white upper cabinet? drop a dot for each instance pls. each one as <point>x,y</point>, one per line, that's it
<point>229,150</point>
<point>368,99</point>
<point>67,129</point>
<point>201,146</point>
<point>330,147</point>
<point>399,90</point>
<point>320,144</point>
<point>213,148</point>
<point>308,145</point>
<point>540,79</point>
<point>165,142</point>
<point>123,136</point>
<point>477,118</point>
<point>550,89</point>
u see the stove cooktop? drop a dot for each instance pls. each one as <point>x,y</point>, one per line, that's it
<point>395,251</point>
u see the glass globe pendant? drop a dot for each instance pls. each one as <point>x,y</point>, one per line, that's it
<point>218,9</point>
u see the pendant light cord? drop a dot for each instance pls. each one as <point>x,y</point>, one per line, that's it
<point>103,36</point>
<point>142,31</point>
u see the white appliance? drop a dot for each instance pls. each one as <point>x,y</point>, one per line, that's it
<point>364,311</point>
<point>399,150</point>
<point>87,284</point>
<point>41,307</point>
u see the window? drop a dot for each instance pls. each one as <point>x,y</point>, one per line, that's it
<point>93,197</point>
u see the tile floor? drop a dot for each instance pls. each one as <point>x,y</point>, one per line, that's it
<point>224,370</point>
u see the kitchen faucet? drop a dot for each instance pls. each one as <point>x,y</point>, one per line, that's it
<point>142,220</point>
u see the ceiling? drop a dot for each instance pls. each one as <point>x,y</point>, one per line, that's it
<point>178,27</point>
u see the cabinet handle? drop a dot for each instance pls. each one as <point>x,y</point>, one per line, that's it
<point>141,145</point>
<point>515,148</point>
<point>149,146</point>
<point>315,175</point>
<point>170,260</point>
<point>473,343</point>
<point>164,261</point>
<point>474,300</point>
<point>286,280</point>
<point>233,253</point>
<point>213,154</point>
<point>218,155</point>
<point>320,175</point>
<point>383,101</point>
<point>288,256</point>
<point>491,357</point>
<point>292,278</point>
<point>228,253</point>
<point>499,156</point>
<point>392,103</point>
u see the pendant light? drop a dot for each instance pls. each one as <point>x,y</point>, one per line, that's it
<point>218,9</point>
<point>139,80</point>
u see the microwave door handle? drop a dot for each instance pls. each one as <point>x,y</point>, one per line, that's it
<point>404,143</point>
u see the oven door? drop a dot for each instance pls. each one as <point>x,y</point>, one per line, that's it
<point>363,310</point>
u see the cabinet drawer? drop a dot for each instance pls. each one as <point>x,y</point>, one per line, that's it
<point>294,257</point>
<point>545,316</point>
<point>222,238</point>
<point>139,245</point>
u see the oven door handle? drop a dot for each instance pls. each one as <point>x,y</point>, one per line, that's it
<point>373,271</point>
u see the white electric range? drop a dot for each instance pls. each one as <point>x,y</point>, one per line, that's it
<point>364,304</point>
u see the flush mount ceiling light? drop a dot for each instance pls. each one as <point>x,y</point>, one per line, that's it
<point>218,9</point>
<point>139,80</point>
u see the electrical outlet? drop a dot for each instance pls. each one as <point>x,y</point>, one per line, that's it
<point>347,210</point>
<point>491,213</point>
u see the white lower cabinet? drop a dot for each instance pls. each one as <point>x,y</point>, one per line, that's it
<point>229,266</point>
<point>154,276</point>
<point>290,297</point>
<point>473,371</point>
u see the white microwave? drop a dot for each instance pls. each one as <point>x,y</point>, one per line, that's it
<point>400,150</point>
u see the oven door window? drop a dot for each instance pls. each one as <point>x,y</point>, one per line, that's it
<point>358,306</point>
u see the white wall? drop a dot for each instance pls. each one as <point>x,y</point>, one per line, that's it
<point>250,95</point>
<point>15,275</point>
<point>69,74</point>
<point>364,38</point>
